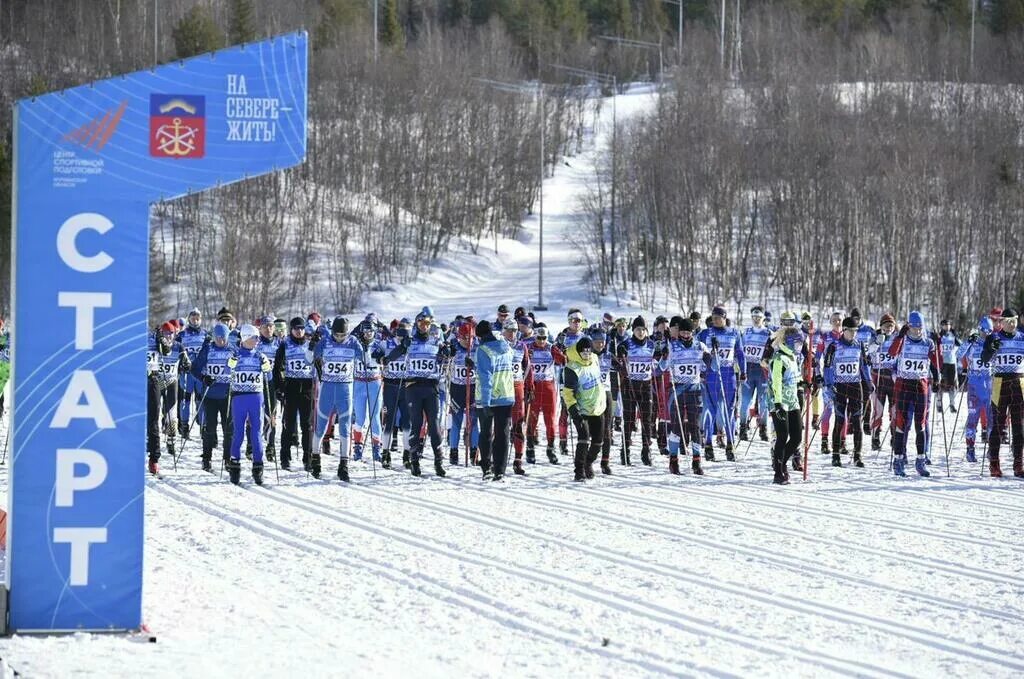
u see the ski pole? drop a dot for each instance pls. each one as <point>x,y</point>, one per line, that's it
<point>7,442</point>
<point>188,432</point>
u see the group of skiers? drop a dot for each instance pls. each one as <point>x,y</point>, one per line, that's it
<point>687,383</point>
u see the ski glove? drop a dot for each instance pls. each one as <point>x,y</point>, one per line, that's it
<point>528,397</point>
<point>207,380</point>
<point>780,411</point>
<point>973,337</point>
<point>996,343</point>
<point>406,342</point>
<point>574,413</point>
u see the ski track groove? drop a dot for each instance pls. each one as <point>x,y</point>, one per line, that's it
<point>460,596</point>
<point>936,564</point>
<point>801,605</point>
<point>719,494</point>
<point>448,510</point>
<point>657,613</point>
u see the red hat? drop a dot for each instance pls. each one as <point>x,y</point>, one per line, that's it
<point>168,327</point>
<point>996,312</point>
<point>465,331</point>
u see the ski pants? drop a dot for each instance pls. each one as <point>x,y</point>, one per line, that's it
<point>826,413</point>
<point>685,418</point>
<point>495,425</point>
<point>367,406</point>
<point>423,405</point>
<point>788,431</point>
<point>885,390</point>
<point>606,425</point>
<point>298,403</point>
<point>1007,402</point>
<point>589,439</point>
<point>979,405</point>
<point>543,404</point>
<point>395,415</point>
<point>459,410</point>
<point>636,399</point>
<point>214,409</point>
<point>247,408</point>
<point>269,406</point>
<point>719,404</point>
<point>190,387</point>
<point>847,401</point>
<point>755,390</point>
<point>662,395</point>
<point>334,399</point>
<point>519,418</point>
<point>911,402</point>
<point>160,404</point>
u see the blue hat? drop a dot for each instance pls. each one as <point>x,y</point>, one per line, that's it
<point>220,331</point>
<point>718,311</point>
<point>915,319</point>
<point>598,333</point>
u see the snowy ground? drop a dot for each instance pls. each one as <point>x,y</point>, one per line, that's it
<point>639,574</point>
<point>851,573</point>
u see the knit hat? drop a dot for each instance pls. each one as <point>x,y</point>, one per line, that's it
<point>887,318</point>
<point>220,331</point>
<point>849,323</point>
<point>676,322</point>
<point>915,319</point>
<point>1009,312</point>
<point>247,332</point>
<point>639,322</point>
<point>584,343</point>
<point>225,315</point>
<point>340,324</point>
<point>484,330</point>
<point>718,311</point>
<point>297,322</point>
<point>686,325</point>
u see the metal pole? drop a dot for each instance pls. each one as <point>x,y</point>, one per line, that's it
<point>540,253</point>
<point>679,36</point>
<point>615,173</point>
<point>721,40</point>
<point>375,31</point>
<point>974,5</point>
<point>156,34</point>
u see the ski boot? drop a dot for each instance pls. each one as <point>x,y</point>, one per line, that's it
<point>984,436</point>
<point>695,466</point>
<point>578,472</point>
<point>606,467</point>
<point>474,457</point>
<point>837,461</point>
<point>325,447</point>
<point>617,423</point>
<point>780,476</point>
<point>588,469</point>
<point>899,464</point>
<point>815,422</point>
<point>439,463</point>
<point>709,453</point>
<point>306,463</point>
<point>286,463</point>
<point>376,452</point>
<point>357,452</point>
<point>154,468</point>
<point>645,456</point>
<point>744,434</point>
<point>531,450</point>
<point>314,466</point>
<point>824,446</point>
<point>271,451</point>
<point>1006,437</point>
<point>552,458</point>
<point>952,408</point>
<point>234,471</point>
<point>762,432</point>
<point>563,447</point>
<point>876,441</point>
<point>453,456</point>
<point>842,450</point>
<point>1018,466</point>
<point>343,470</point>
<point>857,461</point>
<point>624,456</point>
<point>257,473</point>
<point>183,431</point>
<point>797,466</point>
<point>969,453</point>
<point>673,464</point>
<point>719,441</point>
<point>385,459</point>
<point>517,468</point>
<point>207,463</point>
<point>994,470</point>
<point>414,464</point>
<point>729,455</point>
<point>921,467</point>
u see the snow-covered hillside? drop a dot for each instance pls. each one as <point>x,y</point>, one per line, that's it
<point>852,573</point>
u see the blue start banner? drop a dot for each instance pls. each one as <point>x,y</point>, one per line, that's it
<point>89,161</point>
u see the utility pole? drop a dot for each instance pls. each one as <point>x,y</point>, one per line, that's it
<point>679,32</point>
<point>376,32</point>
<point>156,29</point>
<point>721,41</point>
